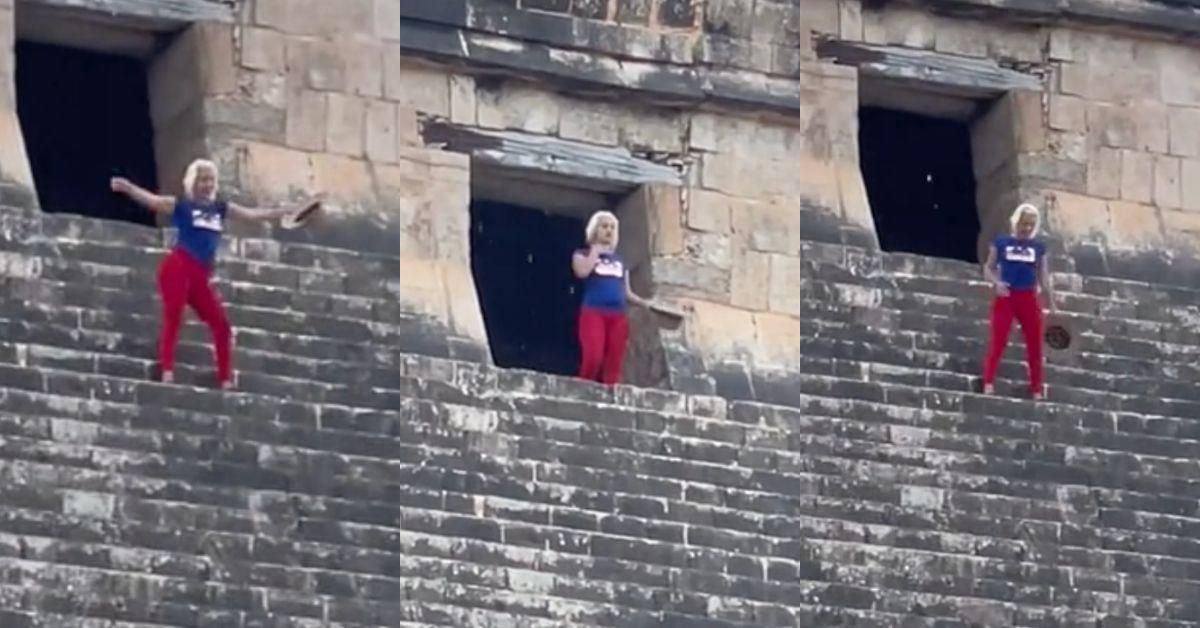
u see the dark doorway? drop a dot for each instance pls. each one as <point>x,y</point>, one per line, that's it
<point>920,183</point>
<point>85,117</point>
<point>521,260</point>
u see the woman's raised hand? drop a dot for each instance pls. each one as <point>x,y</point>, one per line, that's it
<point>121,185</point>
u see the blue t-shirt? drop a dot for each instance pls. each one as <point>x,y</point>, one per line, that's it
<point>200,225</point>
<point>604,289</point>
<point>1018,260</point>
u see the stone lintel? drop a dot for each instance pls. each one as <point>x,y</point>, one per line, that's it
<point>150,14</point>
<point>574,67</point>
<point>602,168</point>
<point>1171,17</point>
<point>968,77</point>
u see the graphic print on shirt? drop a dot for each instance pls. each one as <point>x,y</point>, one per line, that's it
<point>1019,253</point>
<point>609,267</point>
<point>208,218</point>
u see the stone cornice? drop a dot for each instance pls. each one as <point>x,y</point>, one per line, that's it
<point>669,68</point>
<point>1176,18</point>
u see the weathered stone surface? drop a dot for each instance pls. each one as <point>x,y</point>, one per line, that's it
<point>1137,176</point>
<point>345,121</point>
<point>306,124</point>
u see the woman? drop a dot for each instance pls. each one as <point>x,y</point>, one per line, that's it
<point>185,274</point>
<point>603,324</point>
<point>1016,266</point>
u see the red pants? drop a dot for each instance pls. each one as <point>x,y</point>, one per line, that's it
<point>602,338</point>
<point>183,280</point>
<point>1024,306</point>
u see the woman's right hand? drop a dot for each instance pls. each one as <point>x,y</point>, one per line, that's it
<point>121,185</point>
<point>1001,289</point>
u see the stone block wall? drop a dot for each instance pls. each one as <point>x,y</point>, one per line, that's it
<point>1106,145</point>
<point>14,167</point>
<point>725,242</point>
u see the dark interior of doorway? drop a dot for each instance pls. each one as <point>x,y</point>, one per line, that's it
<point>920,183</point>
<point>85,118</point>
<point>521,261</point>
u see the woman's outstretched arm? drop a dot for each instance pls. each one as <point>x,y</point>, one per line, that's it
<point>632,297</point>
<point>253,214</point>
<point>1047,285</point>
<point>156,203</point>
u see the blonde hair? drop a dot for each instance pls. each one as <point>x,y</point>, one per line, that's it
<point>1025,209</point>
<point>594,224</point>
<point>193,171</point>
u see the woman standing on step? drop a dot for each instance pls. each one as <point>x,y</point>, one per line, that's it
<point>1016,266</point>
<point>603,324</point>
<point>185,275</point>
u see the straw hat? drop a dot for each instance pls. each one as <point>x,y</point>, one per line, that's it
<point>304,216</point>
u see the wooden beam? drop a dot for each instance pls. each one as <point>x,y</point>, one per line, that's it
<point>149,14</point>
<point>968,77</point>
<point>597,168</point>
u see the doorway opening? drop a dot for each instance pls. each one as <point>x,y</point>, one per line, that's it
<point>521,262</point>
<point>85,117</point>
<point>920,183</point>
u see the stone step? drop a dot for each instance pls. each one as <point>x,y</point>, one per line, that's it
<point>99,238</point>
<point>916,400</point>
<point>641,487</point>
<point>1097,335</point>
<point>943,351</point>
<point>311,269</point>
<point>309,508</point>
<point>408,387</point>
<point>961,371</point>
<point>262,357</point>
<point>1083,449</point>
<point>959,367</point>
<point>173,439</point>
<point>349,599</point>
<point>1012,379</point>
<point>137,336</point>
<point>863,375</point>
<point>236,272</point>
<point>919,314</point>
<point>1176,324</point>
<point>264,307</point>
<point>1133,278</point>
<point>138,508</point>
<point>256,354</point>
<point>931,277</point>
<point>301,391</point>
<point>52,340</point>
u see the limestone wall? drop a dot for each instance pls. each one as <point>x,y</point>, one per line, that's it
<point>14,167</point>
<point>725,242</point>
<point>1108,144</point>
<point>299,95</point>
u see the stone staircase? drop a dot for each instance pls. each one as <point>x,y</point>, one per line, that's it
<point>352,482</point>
<point>1098,484</point>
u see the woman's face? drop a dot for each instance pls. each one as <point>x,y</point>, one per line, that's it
<point>606,231</point>
<point>206,182</point>
<point>1025,226</point>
